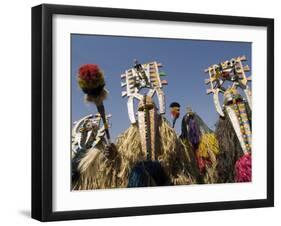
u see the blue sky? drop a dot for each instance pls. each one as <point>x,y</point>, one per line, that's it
<point>183,61</point>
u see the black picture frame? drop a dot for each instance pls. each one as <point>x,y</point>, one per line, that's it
<point>42,111</point>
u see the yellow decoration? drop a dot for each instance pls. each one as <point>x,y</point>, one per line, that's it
<point>208,143</point>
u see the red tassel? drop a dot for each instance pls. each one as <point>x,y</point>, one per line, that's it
<point>243,168</point>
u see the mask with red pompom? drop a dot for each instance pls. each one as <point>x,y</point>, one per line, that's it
<point>90,79</point>
<point>175,111</point>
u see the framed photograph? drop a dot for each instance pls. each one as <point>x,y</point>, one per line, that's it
<point>146,112</point>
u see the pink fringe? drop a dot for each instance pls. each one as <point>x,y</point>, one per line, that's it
<point>243,168</point>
